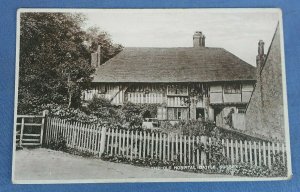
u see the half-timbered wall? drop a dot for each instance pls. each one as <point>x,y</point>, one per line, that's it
<point>230,93</point>
<point>115,93</point>
<point>146,93</point>
<point>177,99</point>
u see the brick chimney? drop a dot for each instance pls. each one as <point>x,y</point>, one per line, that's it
<point>198,39</point>
<point>96,57</point>
<point>261,57</point>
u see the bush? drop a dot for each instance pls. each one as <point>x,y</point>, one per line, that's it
<point>279,168</point>
<point>101,108</point>
<point>59,145</point>
<point>215,149</point>
<point>167,127</point>
<point>192,128</point>
<point>71,114</point>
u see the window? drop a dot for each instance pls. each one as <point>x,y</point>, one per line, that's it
<point>177,113</point>
<point>241,110</point>
<point>177,90</point>
<point>102,89</point>
<point>233,88</point>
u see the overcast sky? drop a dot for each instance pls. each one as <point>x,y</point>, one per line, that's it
<point>238,31</point>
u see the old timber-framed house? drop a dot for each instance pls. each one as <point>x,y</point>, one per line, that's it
<point>189,83</point>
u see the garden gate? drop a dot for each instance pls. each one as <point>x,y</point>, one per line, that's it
<point>29,129</point>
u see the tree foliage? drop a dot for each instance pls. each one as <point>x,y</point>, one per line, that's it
<point>54,65</point>
<point>96,37</point>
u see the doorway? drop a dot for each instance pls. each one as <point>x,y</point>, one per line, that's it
<point>199,113</point>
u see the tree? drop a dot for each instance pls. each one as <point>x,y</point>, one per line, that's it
<point>52,55</point>
<point>54,65</point>
<point>96,37</point>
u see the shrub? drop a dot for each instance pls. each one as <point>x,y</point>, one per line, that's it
<point>71,114</point>
<point>59,145</point>
<point>279,169</point>
<point>215,149</point>
<point>192,128</point>
<point>167,127</point>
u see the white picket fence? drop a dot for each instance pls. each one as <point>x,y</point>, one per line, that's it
<point>165,147</point>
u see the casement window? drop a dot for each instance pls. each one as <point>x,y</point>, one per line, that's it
<point>241,110</point>
<point>233,88</point>
<point>177,90</point>
<point>177,113</point>
<point>161,113</point>
<point>102,89</point>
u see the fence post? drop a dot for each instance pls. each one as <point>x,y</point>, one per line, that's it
<point>264,153</point>
<point>203,140</point>
<point>43,127</point>
<point>152,144</point>
<point>180,148</point>
<point>250,153</point>
<point>144,144</point>
<point>172,147</point>
<point>140,144</point>
<point>231,152</point>
<point>168,147</point>
<point>124,146</point>
<point>269,156</point>
<point>246,152</point>
<point>241,150</point>
<point>184,149</point>
<point>189,150</point>
<point>227,149</point>
<point>131,145</point>
<point>156,145</point>
<point>273,152</point>
<point>127,144</point>
<point>102,141</point>
<point>255,153</point>
<point>259,154</point>
<point>236,152</point>
<point>198,149</point>
<point>164,147</point>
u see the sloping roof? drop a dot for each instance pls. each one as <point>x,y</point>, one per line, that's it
<point>174,65</point>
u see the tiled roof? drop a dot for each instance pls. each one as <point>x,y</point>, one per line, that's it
<point>174,65</point>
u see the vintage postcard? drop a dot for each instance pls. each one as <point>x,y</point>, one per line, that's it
<point>150,95</point>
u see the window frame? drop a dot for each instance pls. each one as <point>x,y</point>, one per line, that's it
<point>178,90</point>
<point>241,110</point>
<point>232,88</point>
<point>176,113</point>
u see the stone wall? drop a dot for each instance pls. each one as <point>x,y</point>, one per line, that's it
<point>265,112</point>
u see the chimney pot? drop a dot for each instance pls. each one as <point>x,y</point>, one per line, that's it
<point>96,57</point>
<point>198,39</point>
<point>260,58</point>
<point>261,45</point>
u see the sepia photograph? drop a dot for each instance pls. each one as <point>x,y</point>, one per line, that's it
<point>150,95</point>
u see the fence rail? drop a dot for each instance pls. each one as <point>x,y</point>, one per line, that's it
<point>189,150</point>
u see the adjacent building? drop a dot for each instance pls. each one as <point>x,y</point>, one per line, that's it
<point>265,112</point>
<point>186,82</point>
